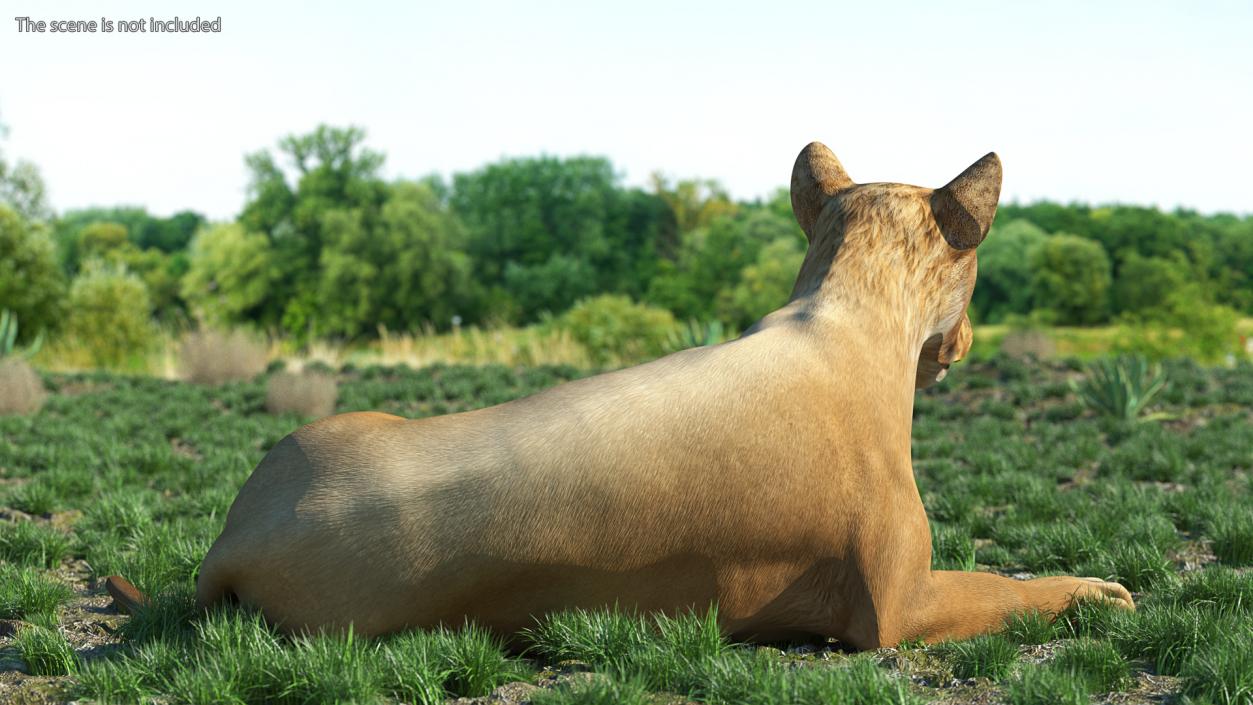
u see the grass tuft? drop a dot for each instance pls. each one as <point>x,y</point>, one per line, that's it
<point>1032,627</point>
<point>987,656</point>
<point>1232,536</point>
<point>1097,663</point>
<point>30,543</point>
<point>1036,685</point>
<point>1222,672</point>
<point>25,592</point>
<point>596,690</point>
<point>45,651</point>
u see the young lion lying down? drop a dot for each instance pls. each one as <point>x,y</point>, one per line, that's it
<point>770,474</point>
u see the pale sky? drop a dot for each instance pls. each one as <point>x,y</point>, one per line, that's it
<point>1134,102</point>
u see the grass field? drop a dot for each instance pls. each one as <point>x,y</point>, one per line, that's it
<point>134,475</point>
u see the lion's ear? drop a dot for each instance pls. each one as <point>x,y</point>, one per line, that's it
<point>816,177</point>
<point>965,207</point>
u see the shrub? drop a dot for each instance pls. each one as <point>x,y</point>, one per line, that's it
<point>21,390</point>
<point>31,283</point>
<point>1187,324</point>
<point>615,329</point>
<point>309,394</point>
<point>1121,388</point>
<point>110,314</point>
<point>211,356</point>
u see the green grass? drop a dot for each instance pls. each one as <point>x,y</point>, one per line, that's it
<point>1035,685</point>
<point>987,656</point>
<point>1098,664</point>
<point>25,593</point>
<point>1015,473</point>
<point>45,651</point>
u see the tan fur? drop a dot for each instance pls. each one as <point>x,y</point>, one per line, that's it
<point>770,474</point>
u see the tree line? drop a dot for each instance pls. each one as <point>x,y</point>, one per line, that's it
<point>326,247</point>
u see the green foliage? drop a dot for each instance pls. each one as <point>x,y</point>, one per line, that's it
<point>8,337</point>
<point>404,269</point>
<point>1003,287</point>
<point>1143,283</point>
<point>695,334</point>
<point>1120,388</point>
<point>714,258</point>
<point>612,326</point>
<point>110,314</point>
<point>1187,324</point>
<point>549,231</point>
<point>1071,277</point>
<point>231,275</point>
<point>31,284</point>
<point>22,188</point>
<point>764,285</point>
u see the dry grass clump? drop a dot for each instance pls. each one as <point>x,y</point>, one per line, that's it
<point>310,394</point>
<point>214,357</point>
<point>534,345</point>
<point>1028,343</point>
<point>21,390</point>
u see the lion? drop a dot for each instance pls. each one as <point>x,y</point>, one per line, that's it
<point>769,475</point>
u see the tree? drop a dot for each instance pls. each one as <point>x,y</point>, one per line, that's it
<point>546,231</point>
<point>764,285</point>
<point>693,204</point>
<point>22,188</point>
<point>713,258</point>
<point>406,271</point>
<point>328,170</point>
<point>231,274</point>
<point>1144,282</point>
<point>1004,283</point>
<point>31,283</point>
<point>1071,279</point>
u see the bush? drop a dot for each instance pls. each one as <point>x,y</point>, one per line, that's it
<point>21,390</point>
<point>31,284</point>
<point>1188,324</point>
<point>615,329</point>
<point>213,357</point>
<point>309,394</point>
<point>110,314</point>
